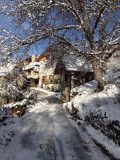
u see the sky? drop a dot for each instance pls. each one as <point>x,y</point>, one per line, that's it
<point>6,23</point>
<point>4,20</point>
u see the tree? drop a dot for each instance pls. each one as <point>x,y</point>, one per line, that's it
<point>12,82</point>
<point>90,27</point>
<point>113,71</point>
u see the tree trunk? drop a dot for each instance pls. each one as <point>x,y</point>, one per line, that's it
<point>99,71</point>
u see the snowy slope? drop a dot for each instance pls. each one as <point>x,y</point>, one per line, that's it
<point>87,101</point>
<point>105,103</point>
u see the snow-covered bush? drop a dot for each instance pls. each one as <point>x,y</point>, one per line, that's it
<point>99,110</point>
<point>87,101</point>
<point>9,93</point>
<point>13,81</point>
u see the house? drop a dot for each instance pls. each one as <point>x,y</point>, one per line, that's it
<point>31,68</point>
<point>76,70</point>
<point>48,79</point>
<point>62,74</point>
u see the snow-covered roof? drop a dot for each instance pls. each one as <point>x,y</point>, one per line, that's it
<point>75,63</point>
<point>33,77</point>
<point>4,70</point>
<point>46,68</point>
<point>34,65</point>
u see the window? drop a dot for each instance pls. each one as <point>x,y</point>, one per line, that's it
<point>44,78</point>
<point>29,72</point>
<point>36,81</point>
<point>51,78</point>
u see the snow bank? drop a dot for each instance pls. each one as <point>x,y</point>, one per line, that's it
<point>104,101</point>
<point>9,126</point>
<point>85,88</point>
<point>107,143</point>
<point>101,111</point>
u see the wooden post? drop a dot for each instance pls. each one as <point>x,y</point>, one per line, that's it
<point>72,80</point>
<point>67,95</point>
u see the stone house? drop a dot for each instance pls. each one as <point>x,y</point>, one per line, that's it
<point>75,72</point>
<point>62,75</point>
<point>48,78</point>
<point>31,68</point>
<point>39,73</point>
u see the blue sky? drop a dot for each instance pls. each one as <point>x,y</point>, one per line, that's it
<point>7,24</point>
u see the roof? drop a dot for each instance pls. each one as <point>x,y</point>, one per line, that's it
<point>75,63</point>
<point>70,62</point>
<point>42,55</point>
<point>26,59</point>
<point>32,65</point>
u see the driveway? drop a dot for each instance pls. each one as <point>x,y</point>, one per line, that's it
<point>47,133</point>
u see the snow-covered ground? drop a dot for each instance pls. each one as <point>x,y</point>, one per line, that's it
<point>105,103</point>
<point>51,93</point>
<point>45,132</point>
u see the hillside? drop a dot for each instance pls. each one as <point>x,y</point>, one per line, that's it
<point>99,113</point>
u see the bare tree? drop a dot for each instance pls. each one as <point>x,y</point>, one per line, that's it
<point>90,27</point>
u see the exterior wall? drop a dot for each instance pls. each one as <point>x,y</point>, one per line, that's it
<point>32,73</point>
<point>43,59</point>
<point>40,83</point>
<point>33,58</point>
<point>48,80</point>
<point>51,85</point>
<point>29,71</point>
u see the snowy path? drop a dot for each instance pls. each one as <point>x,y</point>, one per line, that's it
<point>46,133</point>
